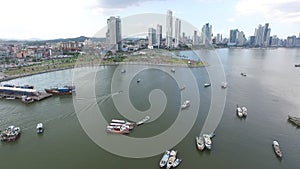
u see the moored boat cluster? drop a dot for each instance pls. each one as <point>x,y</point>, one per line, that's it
<point>170,159</point>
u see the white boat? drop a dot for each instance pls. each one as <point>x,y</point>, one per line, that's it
<point>244,111</point>
<point>183,87</point>
<point>122,122</point>
<point>185,104</point>
<point>177,162</point>
<point>173,70</point>
<point>172,159</point>
<point>143,120</point>
<point>239,111</point>
<point>200,143</point>
<point>207,141</point>
<point>11,133</point>
<point>164,159</point>
<point>224,85</point>
<point>207,84</point>
<point>10,97</point>
<point>243,74</point>
<point>277,149</point>
<point>123,71</point>
<point>27,99</point>
<point>39,128</point>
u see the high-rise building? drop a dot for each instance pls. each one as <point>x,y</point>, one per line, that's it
<point>159,35</point>
<point>151,37</point>
<point>219,38</point>
<point>195,38</point>
<point>206,34</point>
<point>233,36</point>
<point>241,39</point>
<point>177,32</point>
<point>169,29</point>
<point>262,35</point>
<point>113,34</point>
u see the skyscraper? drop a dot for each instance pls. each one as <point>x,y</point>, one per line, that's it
<point>262,35</point>
<point>113,34</point>
<point>151,37</point>
<point>159,35</point>
<point>233,37</point>
<point>206,34</point>
<point>177,31</point>
<point>195,38</point>
<point>169,29</point>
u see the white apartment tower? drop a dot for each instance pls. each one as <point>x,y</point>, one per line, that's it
<point>177,32</point>
<point>113,34</point>
<point>169,29</point>
<point>206,34</point>
<point>159,35</point>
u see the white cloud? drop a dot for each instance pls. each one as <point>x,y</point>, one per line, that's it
<point>283,11</point>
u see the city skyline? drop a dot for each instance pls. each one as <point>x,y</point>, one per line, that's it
<point>66,18</point>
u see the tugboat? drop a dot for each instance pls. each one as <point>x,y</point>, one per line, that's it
<point>277,149</point>
<point>66,90</point>
<point>10,134</point>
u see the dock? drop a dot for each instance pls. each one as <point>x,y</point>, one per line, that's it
<point>38,97</point>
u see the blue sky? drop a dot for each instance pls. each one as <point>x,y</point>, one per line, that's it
<point>26,19</point>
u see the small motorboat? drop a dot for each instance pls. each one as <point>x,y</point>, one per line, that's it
<point>207,84</point>
<point>118,130</point>
<point>173,70</point>
<point>243,74</point>
<point>123,71</point>
<point>138,81</point>
<point>212,134</point>
<point>143,120</point>
<point>177,162</point>
<point>239,111</point>
<point>183,87</point>
<point>200,143</point>
<point>207,141</point>
<point>39,128</point>
<point>185,104</point>
<point>164,159</point>
<point>27,99</point>
<point>224,85</point>
<point>244,111</point>
<point>277,149</point>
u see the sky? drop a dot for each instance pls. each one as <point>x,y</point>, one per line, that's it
<point>50,19</point>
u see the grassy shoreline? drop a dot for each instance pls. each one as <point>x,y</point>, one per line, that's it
<point>92,60</point>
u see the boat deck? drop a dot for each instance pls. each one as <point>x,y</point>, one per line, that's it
<point>41,96</point>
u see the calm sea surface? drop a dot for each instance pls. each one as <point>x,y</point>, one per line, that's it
<point>270,91</point>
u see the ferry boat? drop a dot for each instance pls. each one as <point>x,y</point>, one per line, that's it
<point>39,128</point>
<point>65,90</point>
<point>10,134</point>
<point>13,91</point>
